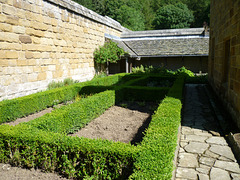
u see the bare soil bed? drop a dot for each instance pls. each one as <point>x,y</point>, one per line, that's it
<point>124,122</point>
<point>30,117</point>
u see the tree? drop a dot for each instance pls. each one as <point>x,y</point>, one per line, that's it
<point>201,11</point>
<point>173,17</point>
<point>148,13</point>
<point>109,52</point>
<point>130,18</point>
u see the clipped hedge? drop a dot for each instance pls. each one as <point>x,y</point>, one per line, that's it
<point>70,118</point>
<point>143,93</point>
<point>42,143</point>
<point>73,157</point>
<point>155,160</point>
<point>23,106</point>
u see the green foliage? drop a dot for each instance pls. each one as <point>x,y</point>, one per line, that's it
<point>70,118</point>
<point>173,17</point>
<point>144,11</point>
<point>201,11</point>
<point>41,143</point>
<point>185,72</point>
<point>202,79</point>
<point>66,82</point>
<point>23,106</point>
<point>72,157</point>
<point>130,18</point>
<point>155,160</point>
<point>100,75</point>
<point>109,52</point>
<point>162,71</point>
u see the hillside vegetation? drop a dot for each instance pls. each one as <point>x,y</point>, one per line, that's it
<point>153,14</point>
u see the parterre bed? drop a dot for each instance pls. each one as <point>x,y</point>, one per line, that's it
<point>43,143</point>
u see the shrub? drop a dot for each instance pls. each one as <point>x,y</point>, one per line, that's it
<point>23,106</point>
<point>157,150</point>
<point>70,118</point>
<point>109,52</point>
<point>42,143</point>
<point>66,82</point>
<point>72,157</point>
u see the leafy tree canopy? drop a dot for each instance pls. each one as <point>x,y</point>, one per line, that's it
<point>173,17</point>
<point>145,11</point>
<point>130,18</point>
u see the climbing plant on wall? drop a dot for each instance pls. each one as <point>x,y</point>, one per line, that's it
<point>109,52</point>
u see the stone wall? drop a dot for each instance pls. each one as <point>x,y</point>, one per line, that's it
<point>224,56</point>
<point>46,40</point>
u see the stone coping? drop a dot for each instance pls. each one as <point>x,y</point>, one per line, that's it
<point>79,9</point>
<point>164,33</point>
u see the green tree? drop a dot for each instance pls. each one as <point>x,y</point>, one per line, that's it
<point>109,52</point>
<point>201,11</point>
<point>157,4</point>
<point>173,17</point>
<point>148,13</point>
<point>130,18</point>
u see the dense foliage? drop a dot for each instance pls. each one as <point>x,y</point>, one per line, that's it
<point>140,14</point>
<point>43,144</point>
<point>173,17</point>
<point>109,52</point>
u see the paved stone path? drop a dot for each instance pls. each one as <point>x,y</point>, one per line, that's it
<point>204,153</point>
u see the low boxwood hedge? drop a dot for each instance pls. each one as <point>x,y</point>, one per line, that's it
<point>70,118</point>
<point>155,160</point>
<point>42,143</point>
<point>23,106</point>
<point>73,157</point>
<point>143,93</point>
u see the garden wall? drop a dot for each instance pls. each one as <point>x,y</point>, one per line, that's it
<point>46,40</point>
<point>224,55</point>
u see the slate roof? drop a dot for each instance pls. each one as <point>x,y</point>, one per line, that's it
<point>161,43</point>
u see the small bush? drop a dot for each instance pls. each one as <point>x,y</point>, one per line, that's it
<point>66,82</point>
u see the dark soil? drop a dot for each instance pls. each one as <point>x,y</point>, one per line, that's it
<point>7,172</point>
<point>30,117</point>
<point>124,122</point>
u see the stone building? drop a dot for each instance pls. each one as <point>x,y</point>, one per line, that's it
<point>172,48</point>
<point>224,54</point>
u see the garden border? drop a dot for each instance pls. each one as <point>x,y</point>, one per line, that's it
<point>27,146</point>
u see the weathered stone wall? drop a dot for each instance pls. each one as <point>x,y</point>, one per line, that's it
<point>224,56</point>
<point>46,40</point>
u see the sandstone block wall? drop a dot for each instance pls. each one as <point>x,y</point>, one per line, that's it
<point>46,40</point>
<point>224,55</point>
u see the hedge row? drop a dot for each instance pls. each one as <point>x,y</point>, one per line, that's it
<point>36,144</point>
<point>143,93</point>
<point>155,160</point>
<point>72,157</point>
<point>136,88</point>
<point>70,118</point>
<point>23,106</point>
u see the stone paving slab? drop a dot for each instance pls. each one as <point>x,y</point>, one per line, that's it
<point>204,153</point>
